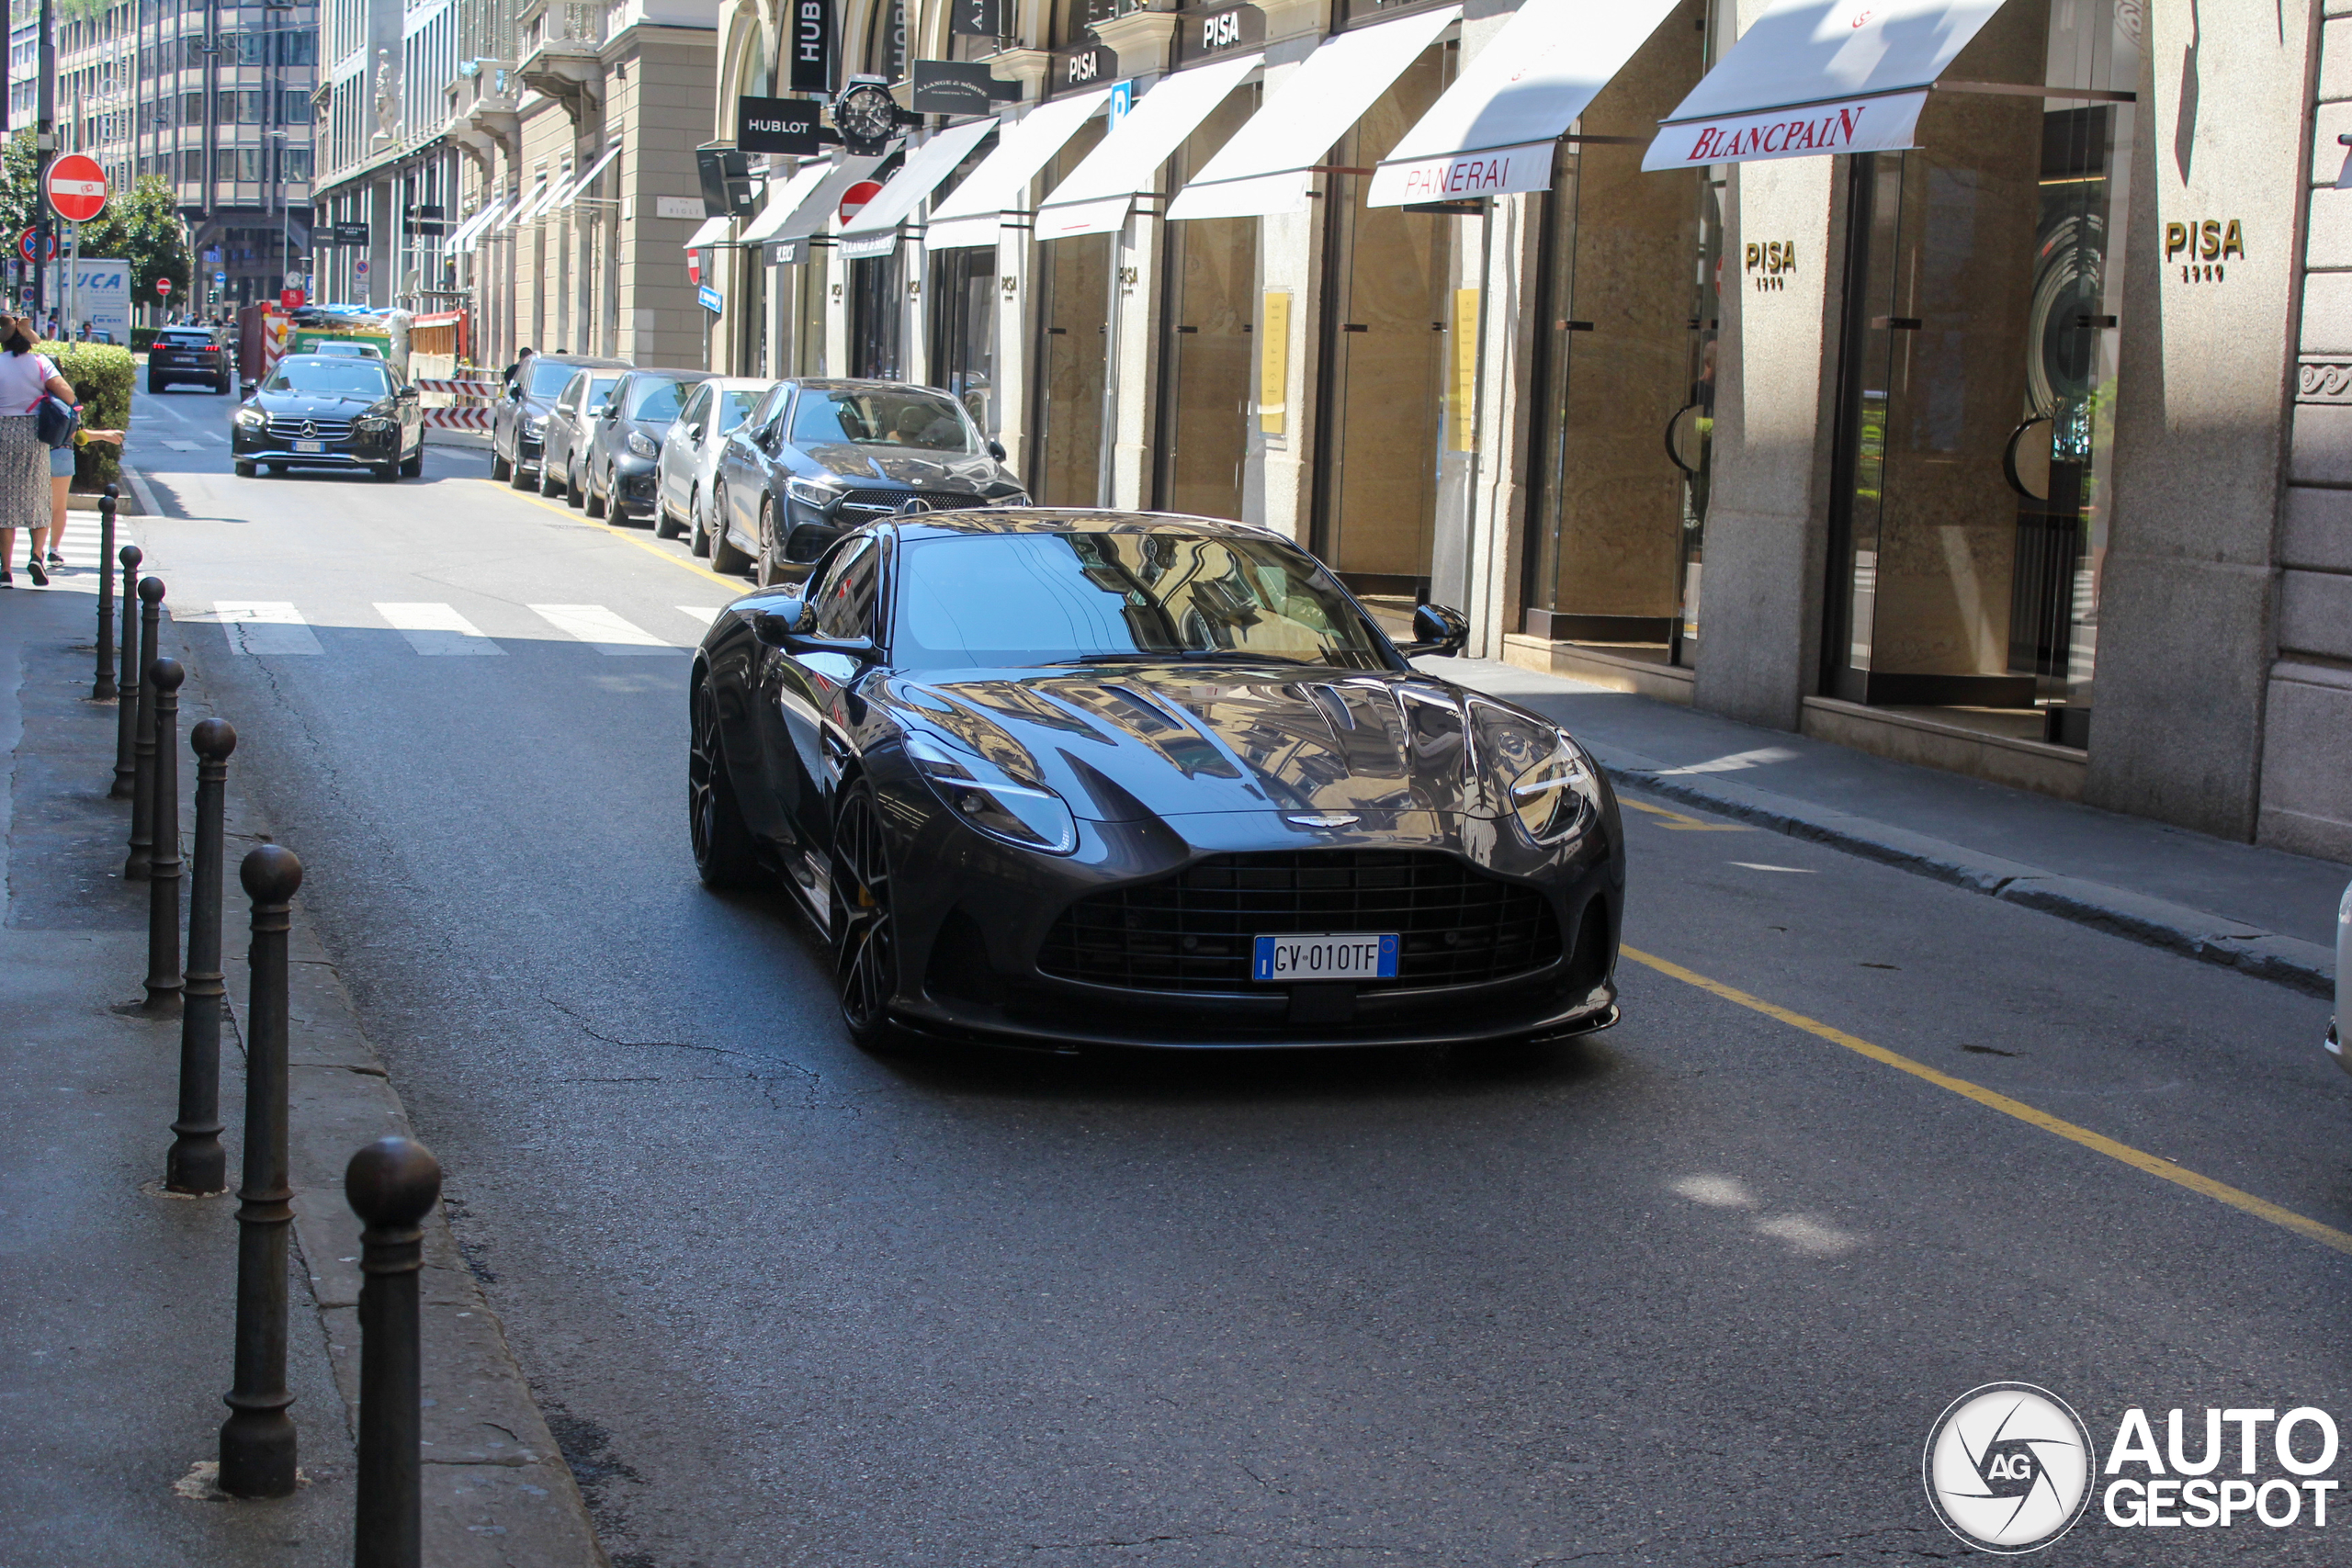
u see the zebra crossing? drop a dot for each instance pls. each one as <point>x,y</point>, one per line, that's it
<point>80,547</point>
<point>275,628</point>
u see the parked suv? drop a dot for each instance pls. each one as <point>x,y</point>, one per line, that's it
<point>189,354</point>
<point>518,424</point>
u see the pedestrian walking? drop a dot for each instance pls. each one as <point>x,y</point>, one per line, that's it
<point>518,374</point>
<point>26,377</point>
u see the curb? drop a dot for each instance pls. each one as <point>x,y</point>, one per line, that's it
<point>2263,955</point>
<point>142,497</point>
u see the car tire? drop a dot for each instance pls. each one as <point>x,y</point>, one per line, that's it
<point>591,500</point>
<point>245,471</point>
<point>549,484</point>
<point>224,385</point>
<point>385,473</point>
<point>725,558</point>
<point>413,466</point>
<point>500,468</point>
<point>665,525</point>
<point>865,932</point>
<point>574,494</point>
<point>698,537</point>
<point>517,476</point>
<point>156,384</point>
<point>725,853</point>
<point>771,562</point>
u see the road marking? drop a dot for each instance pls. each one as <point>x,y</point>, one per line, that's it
<point>264,627</point>
<point>605,631</point>
<point>437,629</point>
<point>1678,823</point>
<point>1759,865</point>
<point>180,445</point>
<point>2098,1143</point>
<point>703,613</point>
<point>626,536</point>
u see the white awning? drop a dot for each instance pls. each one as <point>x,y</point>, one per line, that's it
<point>785,198</point>
<point>874,230</point>
<point>579,186</point>
<point>970,215</point>
<point>1095,198</point>
<point>524,203</point>
<point>1266,165</point>
<point>1815,77</point>
<point>543,201</point>
<point>816,208</point>
<point>462,241</point>
<point>712,233</point>
<point>1492,131</point>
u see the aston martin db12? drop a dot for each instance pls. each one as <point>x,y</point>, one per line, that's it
<point>1061,778</point>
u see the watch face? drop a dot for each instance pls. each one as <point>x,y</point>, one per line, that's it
<point>866,115</point>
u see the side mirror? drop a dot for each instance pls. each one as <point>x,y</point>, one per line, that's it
<point>1437,630</point>
<point>996,450</point>
<point>777,627</point>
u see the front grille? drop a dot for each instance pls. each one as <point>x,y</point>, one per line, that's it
<point>1192,932</point>
<point>860,505</point>
<point>291,427</point>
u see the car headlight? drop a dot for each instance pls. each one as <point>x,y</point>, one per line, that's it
<point>1547,783</point>
<point>531,425</point>
<point>1019,811</point>
<point>251,418</point>
<point>641,445</point>
<point>819,493</point>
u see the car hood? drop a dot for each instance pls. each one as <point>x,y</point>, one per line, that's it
<point>312,405</point>
<point>1124,744</point>
<point>871,463</point>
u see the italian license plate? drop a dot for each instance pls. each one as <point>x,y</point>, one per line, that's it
<point>309,445</point>
<point>1283,959</point>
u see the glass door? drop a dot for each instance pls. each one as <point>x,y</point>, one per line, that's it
<point>1072,279</point>
<point>962,331</point>
<point>1210,266</point>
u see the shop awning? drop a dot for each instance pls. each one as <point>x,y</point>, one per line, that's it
<point>1816,76</point>
<point>462,241</point>
<point>523,204</point>
<point>1268,164</point>
<point>711,235</point>
<point>579,186</point>
<point>543,201</point>
<point>785,198</point>
<point>1096,197</point>
<point>971,214</point>
<point>1492,131</point>
<point>874,230</point>
<point>815,208</point>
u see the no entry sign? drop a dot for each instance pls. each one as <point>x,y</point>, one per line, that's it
<point>853,200</point>
<point>76,188</point>
<point>164,285</point>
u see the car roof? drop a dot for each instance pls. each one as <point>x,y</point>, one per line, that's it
<point>673,375</point>
<point>582,361</point>
<point>1067,519</point>
<point>845,384</point>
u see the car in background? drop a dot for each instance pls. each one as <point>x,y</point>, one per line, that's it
<point>2342,1022</point>
<point>714,411</point>
<point>190,354</point>
<point>1057,778</point>
<point>564,435</point>
<point>348,350</point>
<point>824,456</point>
<point>516,423</point>
<point>329,411</point>
<point>624,443</point>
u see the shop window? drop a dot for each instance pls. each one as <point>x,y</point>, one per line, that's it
<point>1072,281</point>
<point>1387,322</point>
<point>963,331</point>
<point>876,316</point>
<point>1625,376</point>
<point>1206,366</point>
<point>1976,418</point>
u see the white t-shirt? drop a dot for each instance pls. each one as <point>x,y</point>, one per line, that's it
<point>22,377</point>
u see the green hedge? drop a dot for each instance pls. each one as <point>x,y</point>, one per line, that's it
<point>141,340</point>
<point>100,375</point>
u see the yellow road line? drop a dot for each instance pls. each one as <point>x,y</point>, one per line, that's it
<point>625,536</point>
<point>1678,823</point>
<point>2261,1208</point>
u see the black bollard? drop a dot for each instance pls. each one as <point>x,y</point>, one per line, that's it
<point>391,1184</point>
<point>197,1163</point>
<point>163,857</point>
<point>125,719</point>
<point>102,688</point>
<point>142,735</point>
<point>257,1440</point>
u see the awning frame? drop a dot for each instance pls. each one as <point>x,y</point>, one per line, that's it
<point>1093,198</point>
<point>975,212</point>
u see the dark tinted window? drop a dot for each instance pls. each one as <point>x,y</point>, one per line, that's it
<point>653,399</point>
<point>1021,599</point>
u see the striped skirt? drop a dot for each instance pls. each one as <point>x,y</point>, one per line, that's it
<point>24,473</point>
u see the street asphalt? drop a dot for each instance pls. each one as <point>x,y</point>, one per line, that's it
<point>1691,1291</point>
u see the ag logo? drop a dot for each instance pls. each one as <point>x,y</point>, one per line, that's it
<point>2009,1468</point>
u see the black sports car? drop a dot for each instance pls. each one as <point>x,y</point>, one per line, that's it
<point>322,411</point>
<point>1051,778</point>
<point>819,458</point>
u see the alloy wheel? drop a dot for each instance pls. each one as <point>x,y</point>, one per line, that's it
<point>866,954</point>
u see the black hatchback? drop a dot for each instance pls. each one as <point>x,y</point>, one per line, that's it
<point>189,354</point>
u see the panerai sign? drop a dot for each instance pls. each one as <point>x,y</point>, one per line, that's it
<point>2201,247</point>
<point>1465,174</point>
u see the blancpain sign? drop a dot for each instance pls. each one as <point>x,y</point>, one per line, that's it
<point>1861,125</point>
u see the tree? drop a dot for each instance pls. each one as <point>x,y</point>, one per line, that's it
<point>141,225</point>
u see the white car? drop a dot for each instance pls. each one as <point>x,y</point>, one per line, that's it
<point>690,457</point>
<point>2342,1022</point>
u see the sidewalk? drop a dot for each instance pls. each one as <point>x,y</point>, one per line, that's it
<point>116,1300</point>
<point>2268,914</point>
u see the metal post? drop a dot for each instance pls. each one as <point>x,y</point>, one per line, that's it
<point>257,1440</point>
<point>125,730</point>
<point>164,856</point>
<point>142,734</point>
<point>197,1163</point>
<point>102,689</point>
<point>391,1184</point>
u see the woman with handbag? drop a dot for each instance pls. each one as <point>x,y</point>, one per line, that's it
<point>26,377</point>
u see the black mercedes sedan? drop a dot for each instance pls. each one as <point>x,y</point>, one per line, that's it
<point>518,423</point>
<point>819,458</point>
<point>329,411</point>
<point>1052,779</point>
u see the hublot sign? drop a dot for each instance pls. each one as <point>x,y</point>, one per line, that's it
<point>776,125</point>
<point>812,45</point>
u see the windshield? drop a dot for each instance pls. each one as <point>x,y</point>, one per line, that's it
<point>548,377</point>
<point>332,378</point>
<point>656,402</point>
<point>1021,599</point>
<point>922,421</point>
<point>186,340</point>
